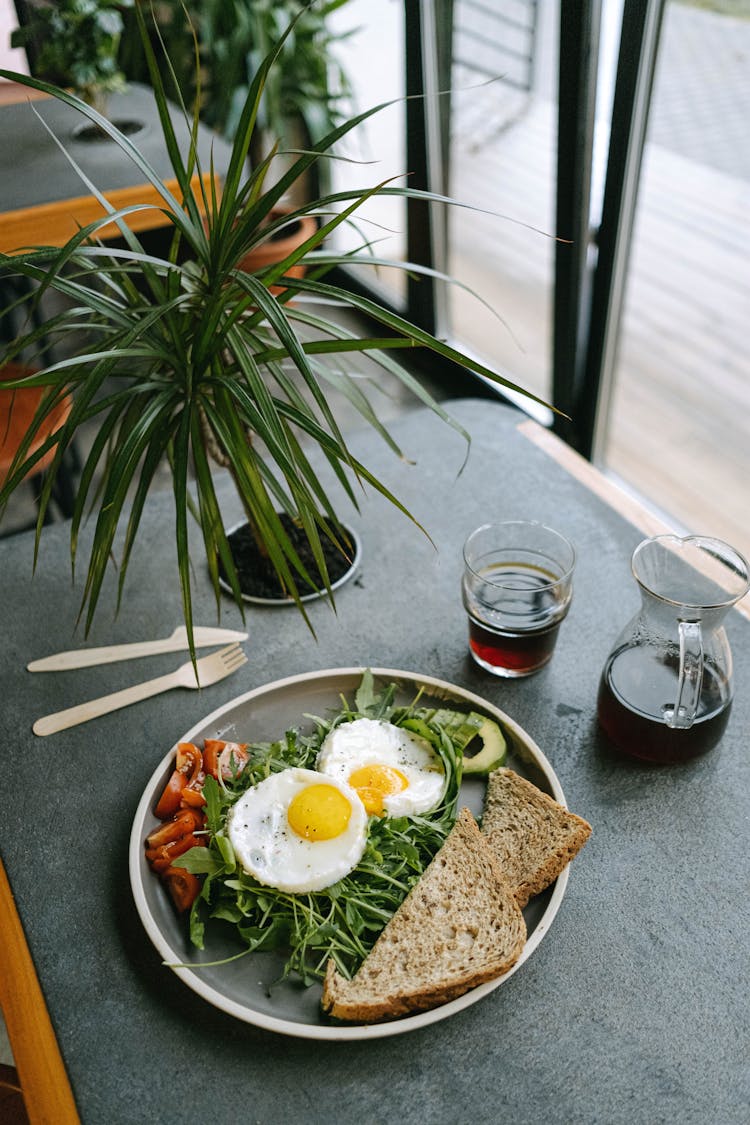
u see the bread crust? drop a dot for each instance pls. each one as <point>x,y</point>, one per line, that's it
<point>448,936</point>
<point>395,1005</point>
<point>532,836</point>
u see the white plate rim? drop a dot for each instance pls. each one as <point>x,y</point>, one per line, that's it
<point>315,1031</point>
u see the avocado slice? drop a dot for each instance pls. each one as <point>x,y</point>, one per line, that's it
<point>464,731</point>
<point>492,753</point>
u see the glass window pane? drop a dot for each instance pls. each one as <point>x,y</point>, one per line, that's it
<point>678,430</point>
<point>503,154</point>
<point>373,59</point>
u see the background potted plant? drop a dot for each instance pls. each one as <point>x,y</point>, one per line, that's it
<point>184,355</point>
<point>74,44</point>
<point>302,100</point>
<point>305,94</point>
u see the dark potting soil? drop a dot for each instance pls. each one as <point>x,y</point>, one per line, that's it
<point>257,576</point>
<point>92,132</point>
<point>283,233</point>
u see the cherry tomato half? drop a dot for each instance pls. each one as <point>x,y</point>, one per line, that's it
<point>184,822</point>
<point>183,886</point>
<point>227,758</point>
<point>193,798</point>
<point>162,856</point>
<point>188,766</point>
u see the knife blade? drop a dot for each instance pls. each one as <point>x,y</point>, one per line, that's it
<point>109,654</point>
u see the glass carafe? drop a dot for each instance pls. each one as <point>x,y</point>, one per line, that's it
<point>666,689</point>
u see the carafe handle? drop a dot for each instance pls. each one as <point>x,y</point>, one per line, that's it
<point>682,715</point>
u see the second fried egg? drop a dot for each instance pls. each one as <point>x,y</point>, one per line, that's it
<point>395,772</point>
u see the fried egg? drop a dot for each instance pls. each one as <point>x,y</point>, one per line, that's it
<point>395,772</point>
<point>298,830</point>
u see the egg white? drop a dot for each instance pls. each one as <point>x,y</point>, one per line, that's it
<point>364,742</point>
<point>268,848</point>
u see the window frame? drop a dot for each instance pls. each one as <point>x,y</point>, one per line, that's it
<point>591,254</point>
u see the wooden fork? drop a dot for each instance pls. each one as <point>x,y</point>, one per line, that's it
<point>210,668</point>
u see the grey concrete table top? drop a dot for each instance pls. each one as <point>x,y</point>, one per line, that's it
<point>39,172</point>
<point>634,1007</point>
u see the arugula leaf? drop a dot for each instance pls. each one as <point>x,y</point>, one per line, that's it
<point>200,861</point>
<point>228,912</point>
<point>365,697</point>
<point>273,936</point>
<point>226,850</point>
<point>213,805</point>
<point>197,925</point>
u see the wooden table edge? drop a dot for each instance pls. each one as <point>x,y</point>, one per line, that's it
<point>46,1089</point>
<point>52,224</point>
<point>12,93</point>
<point>604,487</point>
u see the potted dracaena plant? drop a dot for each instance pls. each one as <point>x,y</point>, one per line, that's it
<point>184,356</point>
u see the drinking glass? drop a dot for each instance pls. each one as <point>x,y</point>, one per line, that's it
<point>517,587</point>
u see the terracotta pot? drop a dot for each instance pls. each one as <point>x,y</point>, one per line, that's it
<point>17,409</point>
<point>278,246</point>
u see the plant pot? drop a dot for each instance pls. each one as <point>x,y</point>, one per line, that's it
<point>258,580</point>
<point>17,409</point>
<point>88,133</point>
<point>281,243</point>
<point>292,137</point>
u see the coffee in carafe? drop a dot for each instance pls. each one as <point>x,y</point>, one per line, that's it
<point>665,693</point>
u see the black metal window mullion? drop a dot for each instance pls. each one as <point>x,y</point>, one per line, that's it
<point>420,299</point>
<point>590,403</point>
<point>428,30</point>
<point>577,85</point>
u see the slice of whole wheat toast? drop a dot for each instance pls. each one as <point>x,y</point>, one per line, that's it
<point>458,927</point>
<point>533,837</point>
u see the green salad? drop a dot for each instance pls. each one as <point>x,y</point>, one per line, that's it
<point>343,920</point>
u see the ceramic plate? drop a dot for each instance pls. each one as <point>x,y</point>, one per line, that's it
<point>245,988</point>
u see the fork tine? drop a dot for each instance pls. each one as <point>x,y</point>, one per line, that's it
<point>232,655</point>
<point>221,655</point>
<point>217,665</point>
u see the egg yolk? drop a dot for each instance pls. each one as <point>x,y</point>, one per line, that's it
<point>373,783</point>
<point>319,812</point>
